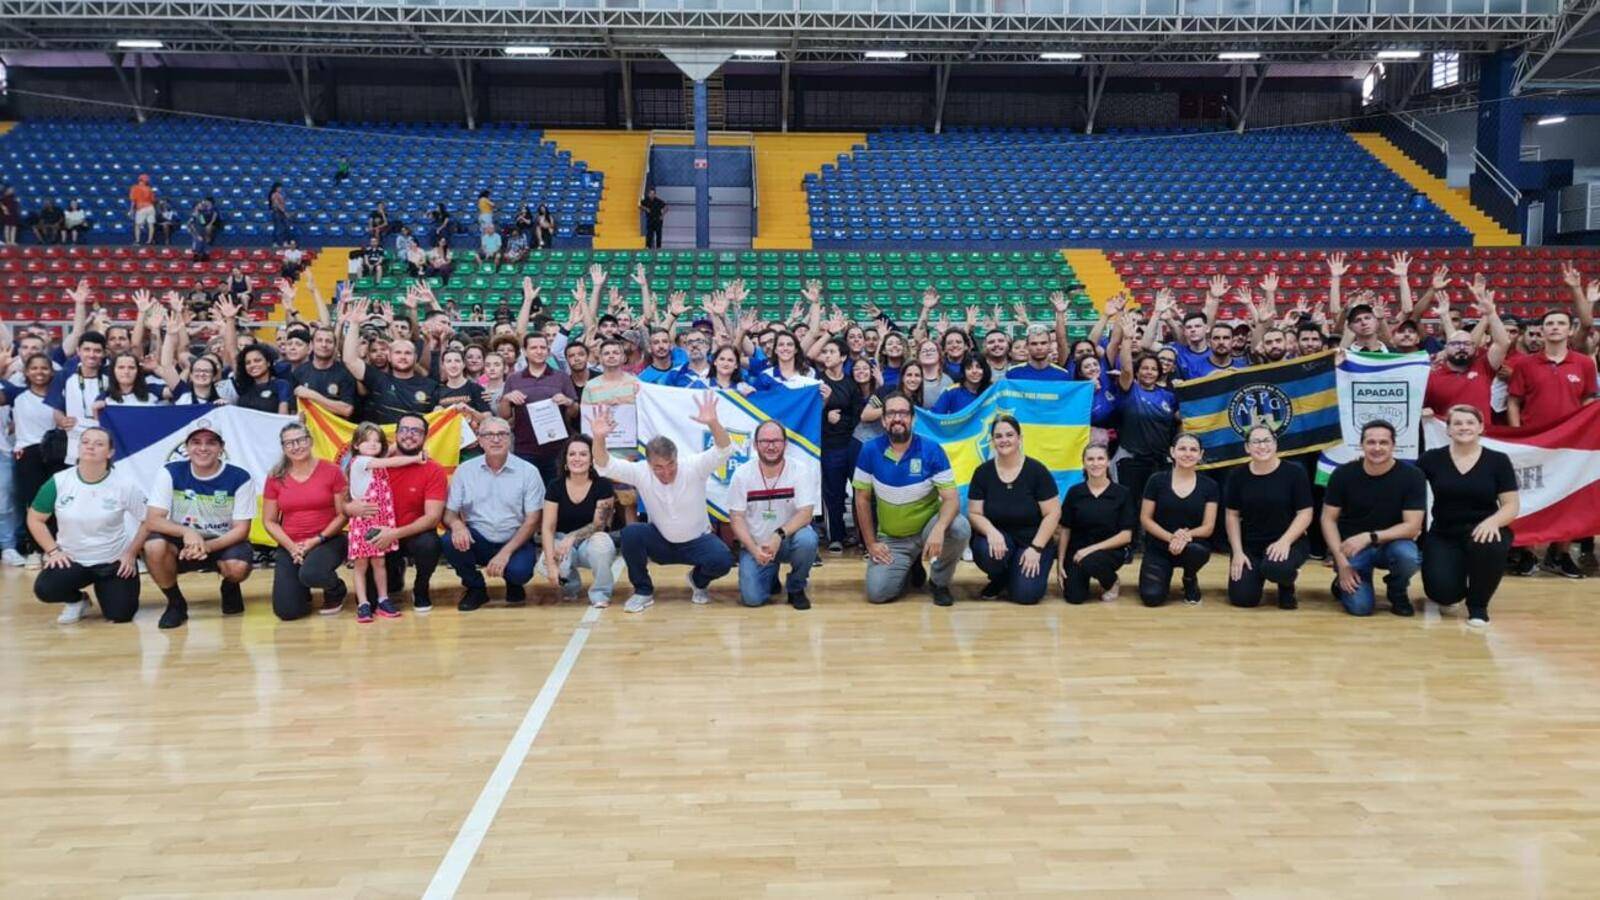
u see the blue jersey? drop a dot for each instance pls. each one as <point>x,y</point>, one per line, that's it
<point>1149,420</point>
<point>1026,372</point>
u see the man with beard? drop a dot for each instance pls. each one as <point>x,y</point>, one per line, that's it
<point>1273,345</point>
<point>199,519</point>
<point>536,382</point>
<point>1465,375</point>
<point>1309,339</point>
<point>997,350</point>
<point>917,511</point>
<point>323,379</point>
<point>662,362</point>
<point>397,392</point>
<point>420,492</point>
<point>770,502</point>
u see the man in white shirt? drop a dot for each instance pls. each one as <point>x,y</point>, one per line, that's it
<point>674,493</point>
<point>770,502</point>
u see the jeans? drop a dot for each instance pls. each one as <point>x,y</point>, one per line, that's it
<point>838,463</point>
<point>1007,570</point>
<point>8,502</point>
<point>292,584</point>
<point>1246,591</point>
<point>887,581</point>
<point>642,544</point>
<point>468,562</point>
<point>1458,568</point>
<point>1155,568</point>
<point>1400,558</point>
<point>118,597</point>
<point>1101,565</point>
<point>799,550</point>
<point>596,553</point>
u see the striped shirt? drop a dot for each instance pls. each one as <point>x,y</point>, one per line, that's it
<point>905,487</point>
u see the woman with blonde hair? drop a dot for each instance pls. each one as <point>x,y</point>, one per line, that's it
<point>1474,503</point>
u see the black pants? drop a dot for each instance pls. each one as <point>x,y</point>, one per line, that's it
<point>1246,591</point>
<point>1155,568</point>
<point>652,234</point>
<point>1315,545</point>
<point>30,475</point>
<point>1101,565</point>
<point>423,550</point>
<point>1458,568</point>
<point>118,597</point>
<point>1132,473</point>
<point>292,584</point>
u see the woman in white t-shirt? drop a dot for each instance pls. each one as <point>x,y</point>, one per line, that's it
<point>92,546</point>
<point>31,417</point>
<point>128,386</point>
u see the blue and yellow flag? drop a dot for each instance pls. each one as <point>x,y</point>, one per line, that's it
<point>1296,398</point>
<point>1055,428</point>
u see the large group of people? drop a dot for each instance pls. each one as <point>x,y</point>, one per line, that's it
<point>543,486</point>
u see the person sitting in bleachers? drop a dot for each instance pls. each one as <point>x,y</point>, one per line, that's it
<point>74,223</point>
<point>372,259</point>
<point>47,223</point>
<point>491,248</point>
<point>439,262</point>
<point>166,220</point>
<point>10,214</point>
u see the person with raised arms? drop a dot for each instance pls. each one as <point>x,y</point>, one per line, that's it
<point>674,491</point>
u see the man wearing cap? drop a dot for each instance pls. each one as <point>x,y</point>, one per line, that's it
<point>142,209</point>
<point>199,518</point>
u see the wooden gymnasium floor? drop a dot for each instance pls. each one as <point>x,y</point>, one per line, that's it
<point>985,750</point>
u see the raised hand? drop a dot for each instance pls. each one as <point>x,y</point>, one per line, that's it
<point>1571,276</point>
<point>639,277</point>
<point>530,293</point>
<point>1218,287</point>
<point>597,275</point>
<point>1336,265</point>
<point>1269,282</point>
<point>80,293</point>
<point>706,409</point>
<point>1440,279</point>
<point>1114,306</point>
<point>226,308</point>
<point>736,291</point>
<point>812,292</point>
<point>677,303</point>
<point>1400,264</point>
<point>972,317</point>
<point>930,298</point>
<point>1058,300</point>
<point>1166,300</point>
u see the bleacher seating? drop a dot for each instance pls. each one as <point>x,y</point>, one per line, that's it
<point>1009,188</point>
<point>412,166</point>
<point>34,280</point>
<point>1527,280</point>
<point>893,280</point>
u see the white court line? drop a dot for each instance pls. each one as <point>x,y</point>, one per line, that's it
<point>453,868</point>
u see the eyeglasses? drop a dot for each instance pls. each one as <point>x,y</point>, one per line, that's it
<point>494,435</point>
<point>1261,442</point>
<point>410,429</point>
<point>296,442</point>
<point>896,414</point>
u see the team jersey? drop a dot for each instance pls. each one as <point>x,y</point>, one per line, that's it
<point>208,505</point>
<point>905,488</point>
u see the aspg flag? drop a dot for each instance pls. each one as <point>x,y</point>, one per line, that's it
<point>448,432</point>
<point>1297,398</point>
<point>1386,386</point>
<point>1558,475</point>
<point>148,437</point>
<point>1054,416</point>
<point>670,411</point>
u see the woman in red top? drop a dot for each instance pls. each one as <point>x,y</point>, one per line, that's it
<point>303,509</point>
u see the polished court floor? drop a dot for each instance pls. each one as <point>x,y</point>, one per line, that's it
<point>984,750</point>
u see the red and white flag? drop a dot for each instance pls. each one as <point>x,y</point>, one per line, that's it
<point>1558,475</point>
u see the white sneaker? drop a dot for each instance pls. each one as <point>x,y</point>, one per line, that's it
<point>72,613</point>
<point>1111,593</point>
<point>12,558</point>
<point>1478,623</point>
<point>35,561</point>
<point>639,603</point>
<point>600,602</point>
<point>699,596</point>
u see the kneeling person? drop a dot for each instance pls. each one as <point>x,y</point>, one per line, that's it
<point>674,494</point>
<point>770,503</point>
<point>917,510</point>
<point>1371,518</point>
<point>199,520</point>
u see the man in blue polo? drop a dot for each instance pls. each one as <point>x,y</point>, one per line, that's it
<point>199,519</point>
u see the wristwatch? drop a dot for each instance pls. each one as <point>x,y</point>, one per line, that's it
<point>1035,548</point>
<point>1373,537</point>
<point>782,535</point>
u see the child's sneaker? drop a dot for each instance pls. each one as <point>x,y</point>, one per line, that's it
<point>387,609</point>
<point>364,612</point>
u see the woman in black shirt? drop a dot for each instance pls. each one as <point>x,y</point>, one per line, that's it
<point>1268,513</point>
<point>1179,515</point>
<point>577,512</point>
<point>1474,504</point>
<point>1096,526</point>
<point>255,384</point>
<point>1013,506</point>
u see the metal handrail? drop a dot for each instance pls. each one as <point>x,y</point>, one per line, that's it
<point>1498,177</point>
<point>1427,134</point>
